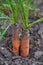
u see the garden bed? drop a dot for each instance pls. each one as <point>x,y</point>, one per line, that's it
<point>36,47</point>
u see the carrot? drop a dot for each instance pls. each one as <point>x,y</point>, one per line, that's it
<point>16,45</point>
<point>15,41</point>
<point>24,47</point>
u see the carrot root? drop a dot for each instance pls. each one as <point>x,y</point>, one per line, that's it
<point>24,46</point>
<point>16,45</point>
<point>15,40</point>
<point>24,50</point>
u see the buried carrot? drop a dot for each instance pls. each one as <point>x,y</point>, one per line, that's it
<point>24,49</point>
<point>15,41</point>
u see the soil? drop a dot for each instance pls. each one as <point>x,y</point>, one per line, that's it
<point>36,47</point>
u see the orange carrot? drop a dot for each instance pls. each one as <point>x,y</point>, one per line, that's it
<point>24,49</point>
<point>16,44</point>
<point>15,40</point>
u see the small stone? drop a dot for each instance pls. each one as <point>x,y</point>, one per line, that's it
<point>16,62</point>
<point>40,32</point>
<point>2,48</point>
<point>5,52</point>
<point>6,63</point>
<point>38,54</point>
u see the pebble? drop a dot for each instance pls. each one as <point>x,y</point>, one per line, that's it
<point>38,54</point>
<point>40,32</point>
<point>5,52</point>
